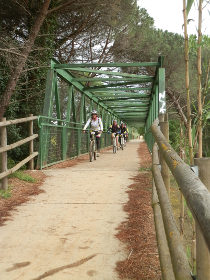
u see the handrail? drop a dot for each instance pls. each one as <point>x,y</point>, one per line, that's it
<point>179,259</point>
<point>196,195</point>
<point>17,121</point>
<point>17,144</point>
<point>53,119</point>
<point>18,166</point>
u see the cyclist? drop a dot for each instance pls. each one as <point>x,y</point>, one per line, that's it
<point>95,125</point>
<point>115,130</point>
<point>126,134</point>
<point>123,130</point>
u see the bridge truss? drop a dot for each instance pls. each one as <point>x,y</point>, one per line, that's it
<point>73,90</point>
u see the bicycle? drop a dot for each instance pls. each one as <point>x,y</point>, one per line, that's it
<point>92,146</point>
<point>125,139</point>
<point>114,143</point>
<point>122,141</point>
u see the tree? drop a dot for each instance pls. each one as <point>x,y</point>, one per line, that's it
<point>187,82</point>
<point>6,96</point>
<point>199,94</point>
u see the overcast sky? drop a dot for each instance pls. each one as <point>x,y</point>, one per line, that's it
<point>168,15</point>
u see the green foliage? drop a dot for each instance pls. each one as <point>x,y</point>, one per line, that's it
<point>145,169</point>
<point>141,130</point>
<point>193,44</point>
<point>5,193</point>
<point>174,134</point>
<point>188,249</point>
<point>10,163</point>
<point>189,5</point>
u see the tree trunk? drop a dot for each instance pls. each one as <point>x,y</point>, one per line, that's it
<point>177,106</point>
<point>6,96</point>
<point>187,83</point>
<point>199,92</point>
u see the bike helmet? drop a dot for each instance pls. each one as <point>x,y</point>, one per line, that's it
<point>94,112</point>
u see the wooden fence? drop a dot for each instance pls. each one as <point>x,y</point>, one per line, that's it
<point>173,256</point>
<point>4,171</point>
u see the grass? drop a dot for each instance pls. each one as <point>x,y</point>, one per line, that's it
<point>145,169</point>
<point>5,193</point>
<point>23,176</point>
<point>188,219</point>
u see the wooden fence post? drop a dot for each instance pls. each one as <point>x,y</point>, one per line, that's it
<point>31,144</point>
<point>3,142</point>
<point>202,250</point>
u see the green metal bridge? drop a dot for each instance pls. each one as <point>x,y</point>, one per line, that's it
<point>73,90</point>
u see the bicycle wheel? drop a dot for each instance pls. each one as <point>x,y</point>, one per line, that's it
<point>94,150</point>
<point>91,151</point>
<point>114,146</point>
<point>122,143</point>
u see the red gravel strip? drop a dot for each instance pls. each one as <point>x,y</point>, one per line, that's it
<point>138,232</point>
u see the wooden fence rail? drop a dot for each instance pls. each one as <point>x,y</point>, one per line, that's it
<point>4,172</point>
<point>197,198</point>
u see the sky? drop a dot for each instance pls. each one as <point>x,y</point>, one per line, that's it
<point>168,15</point>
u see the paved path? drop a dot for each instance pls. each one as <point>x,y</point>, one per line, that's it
<point>68,232</point>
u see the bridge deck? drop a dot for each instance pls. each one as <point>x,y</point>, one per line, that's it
<point>68,232</point>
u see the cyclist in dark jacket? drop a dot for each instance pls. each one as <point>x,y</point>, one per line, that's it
<point>123,130</point>
<point>115,130</point>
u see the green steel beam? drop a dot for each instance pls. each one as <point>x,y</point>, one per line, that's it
<point>162,94</point>
<point>64,130</point>
<point>81,120</point>
<point>117,84</point>
<point>73,106</point>
<point>124,98</point>
<point>130,104</point>
<point>132,119</point>
<point>119,64</point>
<point>68,77</point>
<point>103,90</point>
<point>130,110</point>
<point>133,115</point>
<point>57,98</point>
<point>49,94</point>
<point>136,80</point>
<point>69,104</point>
<point>126,94</point>
<point>88,70</point>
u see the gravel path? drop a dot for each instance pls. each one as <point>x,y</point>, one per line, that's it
<point>68,232</point>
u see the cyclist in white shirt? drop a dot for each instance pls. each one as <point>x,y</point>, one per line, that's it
<point>97,126</point>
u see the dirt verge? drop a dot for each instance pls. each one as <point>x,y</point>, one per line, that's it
<point>21,191</point>
<point>138,232</point>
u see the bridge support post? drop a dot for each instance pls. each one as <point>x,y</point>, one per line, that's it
<point>202,251</point>
<point>81,120</point>
<point>164,127</point>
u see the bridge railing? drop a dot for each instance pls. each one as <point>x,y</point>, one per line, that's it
<point>5,147</point>
<point>173,257</point>
<point>61,140</point>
